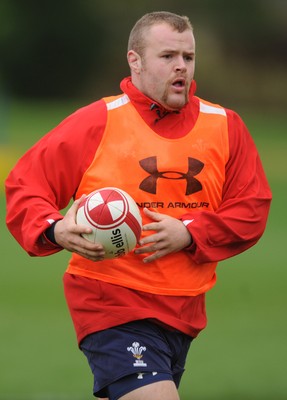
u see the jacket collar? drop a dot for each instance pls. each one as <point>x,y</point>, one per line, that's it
<point>170,124</point>
<point>141,100</point>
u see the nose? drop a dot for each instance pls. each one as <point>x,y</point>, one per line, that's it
<point>180,64</point>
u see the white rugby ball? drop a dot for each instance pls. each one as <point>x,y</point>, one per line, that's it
<point>114,218</point>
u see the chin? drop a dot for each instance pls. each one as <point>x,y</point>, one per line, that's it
<point>177,104</point>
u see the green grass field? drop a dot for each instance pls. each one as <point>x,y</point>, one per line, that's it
<point>240,356</point>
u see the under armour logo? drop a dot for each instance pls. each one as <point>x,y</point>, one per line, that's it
<point>149,184</point>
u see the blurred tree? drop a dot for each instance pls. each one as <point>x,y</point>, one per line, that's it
<point>253,29</point>
<point>62,48</point>
<point>48,46</point>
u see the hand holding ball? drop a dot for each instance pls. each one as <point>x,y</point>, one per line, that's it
<point>114,218</point>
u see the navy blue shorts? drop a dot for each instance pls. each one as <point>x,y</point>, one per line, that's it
<point>135,354</point>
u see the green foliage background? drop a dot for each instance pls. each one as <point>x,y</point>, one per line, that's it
<point>67,48</point>
<point>242,65</point>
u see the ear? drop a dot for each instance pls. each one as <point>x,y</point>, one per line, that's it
<point>134,61</point>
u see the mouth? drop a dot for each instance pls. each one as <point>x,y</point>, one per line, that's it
<point>178,83</point>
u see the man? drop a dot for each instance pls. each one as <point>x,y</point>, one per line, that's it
<point>197,167</point>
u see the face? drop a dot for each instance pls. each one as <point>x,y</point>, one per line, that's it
<point>165,70</point>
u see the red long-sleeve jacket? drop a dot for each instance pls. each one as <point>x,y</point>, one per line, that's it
<point>47,177</point>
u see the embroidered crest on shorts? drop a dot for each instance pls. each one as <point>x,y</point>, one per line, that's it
<point>137,350</point>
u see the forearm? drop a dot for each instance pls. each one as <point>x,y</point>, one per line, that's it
<point>241,218</point>
<point>228,232</point>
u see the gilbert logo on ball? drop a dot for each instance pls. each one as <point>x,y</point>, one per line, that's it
<point>114,218</point>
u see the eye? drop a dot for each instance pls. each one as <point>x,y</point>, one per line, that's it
<point>189,58</point>
<point>167,56</point>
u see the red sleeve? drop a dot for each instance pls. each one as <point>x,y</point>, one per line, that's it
<point>241,218</point>
<point>46,178</point>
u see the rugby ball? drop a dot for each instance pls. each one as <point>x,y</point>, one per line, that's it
<point>114,218</point>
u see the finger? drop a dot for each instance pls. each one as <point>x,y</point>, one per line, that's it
<point>81,229</point>
<point>72,212</point>
<point>84,244</point>
<point>146,249</point>
<point>154,226</point>
<point>149,239</point>
<point>74,207</point>
<point>153,214</point>
<point>88,249</point>
<point>151,244</point>
<point>91,257</point>
<point>78,201</point>
<point>155,256</point>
